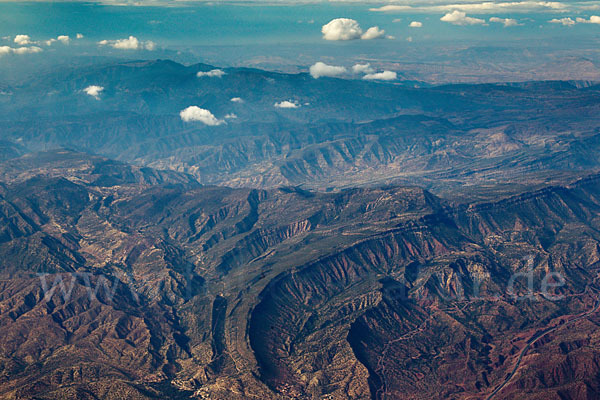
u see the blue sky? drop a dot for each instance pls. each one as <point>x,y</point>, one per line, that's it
<point>231,23</point>
<point>289,35</point>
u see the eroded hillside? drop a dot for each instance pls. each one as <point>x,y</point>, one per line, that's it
<point>215,292</point>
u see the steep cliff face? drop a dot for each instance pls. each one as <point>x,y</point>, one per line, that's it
<point>440,324</point>
<point>171,289</point>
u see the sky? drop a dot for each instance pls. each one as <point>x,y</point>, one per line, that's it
<point>285,35</point>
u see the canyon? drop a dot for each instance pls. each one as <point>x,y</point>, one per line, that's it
<point>171,288</point>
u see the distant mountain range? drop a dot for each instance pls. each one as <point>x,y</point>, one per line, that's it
<point>343,133</point>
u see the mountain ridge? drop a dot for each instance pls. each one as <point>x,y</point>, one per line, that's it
<point>219,288</point>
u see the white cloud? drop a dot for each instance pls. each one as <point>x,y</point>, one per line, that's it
<point>589,7</point>
<point>460,18</point>
<point>22,40</point>
<point>382,76</point>
<point>64,39</point>
<point>19,50</point>
<point>507,22</point>
<point>392,8</point>
<point>194,113</point>
<point>415,24</point>
<point>396,20</point>
<point>320,69</point>
<point>362,69</point>
<point>594,19</point>
<point>131,43</point>
<point>79,36</point>
<point>94,91</point>
<point>27,50</point>
<point>341,29</point>
<point>212,73</point>
<point>482,7</point>
<point>349,29</point>
<point>286,104</point>
<point>373,33</point>
<point>507,6</point>
<point>237,100</point>
<point>563,21</point>
<point>231,116</point>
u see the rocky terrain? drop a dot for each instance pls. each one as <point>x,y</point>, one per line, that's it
<point>120,281</point>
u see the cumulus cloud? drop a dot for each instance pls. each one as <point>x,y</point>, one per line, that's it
<point>79,36</point>
<point>94,91</point>
<point>507,22</point>
<point>415,24</point>
<point>563,21</point>
<point>131,43</point>
<point>237,100</point>
<point>22,40</point>
<point>320,69</point>
<point>362,69</point>
<point>19,50</point>
<point>341,29</point>
<point>287,104</point>
<point>64,39</point>
<point>594,19</point>
<point>211,74</point>
<point>382,76</point>
<point>373,33</point>
<point>26,50</point>
<point>194,113</point>
<point>231,116</point>
<point>460,18</point>
<point>349,29</point>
